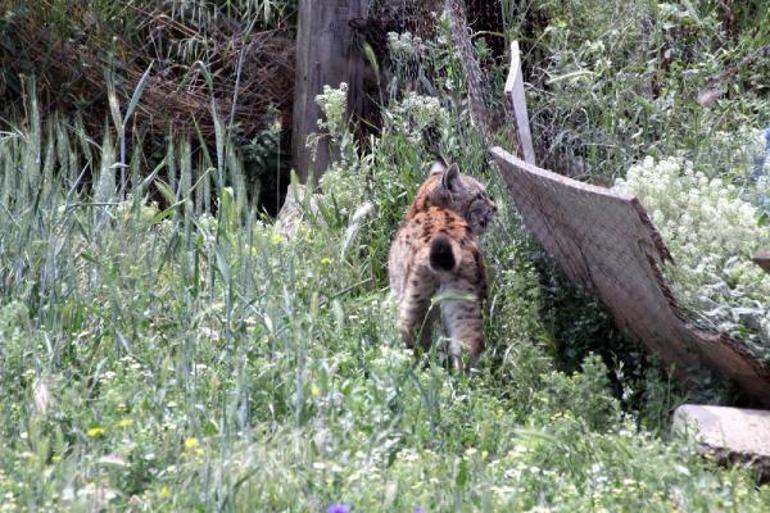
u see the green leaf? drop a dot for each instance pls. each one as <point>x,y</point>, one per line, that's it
<point>138,90</point>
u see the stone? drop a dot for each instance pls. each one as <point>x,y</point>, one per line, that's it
<point>733,435</point>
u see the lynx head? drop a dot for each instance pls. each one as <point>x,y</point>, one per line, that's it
<point>447,188</point>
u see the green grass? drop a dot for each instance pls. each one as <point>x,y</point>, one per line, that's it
<point>175,360</point>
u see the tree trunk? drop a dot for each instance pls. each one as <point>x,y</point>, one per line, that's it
<point>328,53</point>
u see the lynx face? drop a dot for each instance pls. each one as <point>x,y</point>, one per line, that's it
<point>447,188</point>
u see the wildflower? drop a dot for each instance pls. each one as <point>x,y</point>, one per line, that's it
<point>415,113</point>
<point>276,239</point>
<point>96,432</point>
<point>191,443</point>
<point>315,391</point>
<point>125,423</point>
<point>333,103</point>
<point>405,47</point>
<point>711,231</point>
<point>338,508</point>
<point>164,493</point>
<point>326,261</point>
<point>419,509</point>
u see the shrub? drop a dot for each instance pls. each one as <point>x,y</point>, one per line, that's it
<point>712,234</point>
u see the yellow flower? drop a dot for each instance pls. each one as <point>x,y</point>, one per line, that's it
<point>326,261</point>
<point>96,432</point>
<point>315,391</point>
<point>164,493</point>
<point>276,239</point>
<point>124,423</point>
<point>192,446</point>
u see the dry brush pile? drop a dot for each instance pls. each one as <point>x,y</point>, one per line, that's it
<point>239,55</point>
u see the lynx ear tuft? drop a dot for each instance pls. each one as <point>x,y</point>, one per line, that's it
<point>451,177</point>
<point>437,168</point>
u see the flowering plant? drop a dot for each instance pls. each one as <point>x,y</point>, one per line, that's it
<point>712,233</point>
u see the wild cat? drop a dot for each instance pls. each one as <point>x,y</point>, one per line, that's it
<point>436,250</point>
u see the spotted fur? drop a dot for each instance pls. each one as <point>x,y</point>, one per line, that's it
<point>436,250</point>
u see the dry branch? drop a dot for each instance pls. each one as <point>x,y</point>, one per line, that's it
<point>715,88</point>
<point>70,73</point>
<point>475,81</point>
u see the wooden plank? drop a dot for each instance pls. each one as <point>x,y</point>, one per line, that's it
<point>604,241</point>
<point>517,105</point>
<point>762,259</point>
<point>327,54</point>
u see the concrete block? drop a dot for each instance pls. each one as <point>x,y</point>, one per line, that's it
<point>733,435</point>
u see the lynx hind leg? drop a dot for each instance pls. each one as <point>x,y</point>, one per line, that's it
<point>463,321</point>
<point>413,316</point>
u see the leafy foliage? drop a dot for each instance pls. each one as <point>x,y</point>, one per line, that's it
<point>612,82</point>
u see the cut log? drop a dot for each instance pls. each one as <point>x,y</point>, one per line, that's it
<point>605,241</point>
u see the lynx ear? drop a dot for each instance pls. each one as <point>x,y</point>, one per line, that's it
<point>451,178</point>
<point>437,168</point>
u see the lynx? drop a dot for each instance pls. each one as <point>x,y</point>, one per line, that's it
<point>436,250</point>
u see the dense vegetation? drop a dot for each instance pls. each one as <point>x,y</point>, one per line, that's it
<point>165,348</point>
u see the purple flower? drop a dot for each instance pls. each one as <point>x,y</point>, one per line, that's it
<point>419,509</point>
<point>338,508</point>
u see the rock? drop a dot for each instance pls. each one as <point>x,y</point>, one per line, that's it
<point>707,97</point>
<point>733,435</point>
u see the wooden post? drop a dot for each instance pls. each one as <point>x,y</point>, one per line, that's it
<point>514,95</point>
<point>327,54</point>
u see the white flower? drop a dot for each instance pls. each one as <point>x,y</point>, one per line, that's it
<point>712,234</point>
